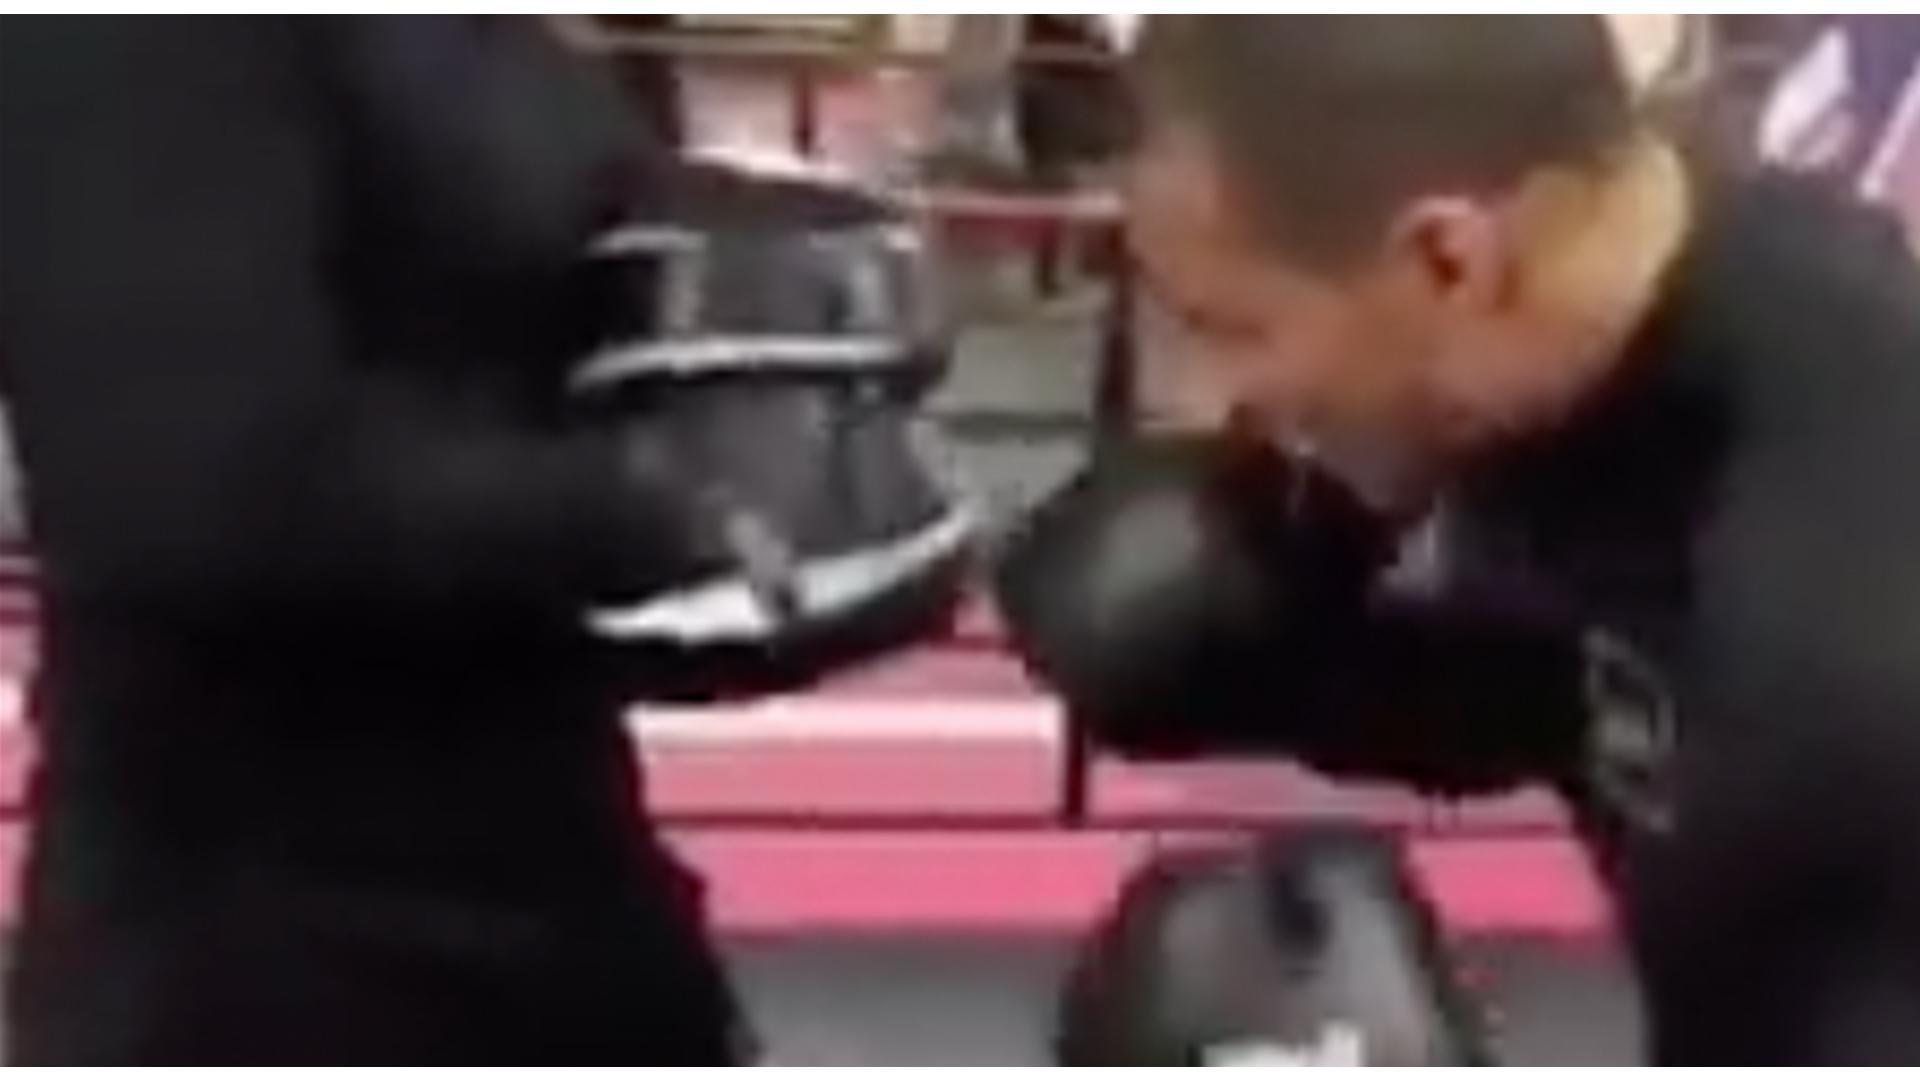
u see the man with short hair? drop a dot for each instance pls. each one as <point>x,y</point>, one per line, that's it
<point>1653,429</point>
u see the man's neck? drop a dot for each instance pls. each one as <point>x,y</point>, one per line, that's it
<point>1605,251</point>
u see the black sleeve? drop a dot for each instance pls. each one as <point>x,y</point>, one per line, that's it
<point>1449,694</point>
<point>1454,692</point>
<point>1454,670</point>
<point>1781,920</point>
<point>207,433</point>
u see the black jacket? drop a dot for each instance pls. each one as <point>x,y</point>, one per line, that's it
<point>1694,607</point>
<point>331,771</point>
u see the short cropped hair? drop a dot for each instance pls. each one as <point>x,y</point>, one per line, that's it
<point>1326,123</point>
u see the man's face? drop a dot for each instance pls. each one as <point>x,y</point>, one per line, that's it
<point>1347,362</point>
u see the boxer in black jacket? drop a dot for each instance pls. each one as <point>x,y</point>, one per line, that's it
<point>1642,435</point>
<point>333,768</point>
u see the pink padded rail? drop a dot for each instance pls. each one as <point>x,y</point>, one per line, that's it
<point>924,793</point>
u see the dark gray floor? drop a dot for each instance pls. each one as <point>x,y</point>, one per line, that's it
<point>989,1002</point>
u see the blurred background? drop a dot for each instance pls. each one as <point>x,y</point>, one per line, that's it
<point>901,860</point>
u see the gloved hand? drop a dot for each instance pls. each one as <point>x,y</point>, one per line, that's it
<point>768,423</point>
<point>1182,592</point>
<point>1312,949</point>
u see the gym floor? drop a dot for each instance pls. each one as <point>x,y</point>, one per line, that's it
<point>929,1001</point>
<point>987,1002</point>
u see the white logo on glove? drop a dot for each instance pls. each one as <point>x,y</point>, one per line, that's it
<point>1339,1046</point>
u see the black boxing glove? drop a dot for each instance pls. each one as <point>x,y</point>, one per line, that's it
<point>1209,595</point>
<point>1310,949</point>
<point>1183,594</point>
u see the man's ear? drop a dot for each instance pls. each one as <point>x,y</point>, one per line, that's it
<point>1455,251</point>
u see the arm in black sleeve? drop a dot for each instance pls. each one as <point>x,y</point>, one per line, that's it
<point>1779,923</point>
<point>1204,596</point>
<point>1463,684</point>
<point>215,428</point>
<point>1449,694</point>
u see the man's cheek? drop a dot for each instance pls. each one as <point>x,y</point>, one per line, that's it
<point>1241,381</point>
<point>1295,381</point>
<point>1185,384</point>
<point>1188,396</point>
